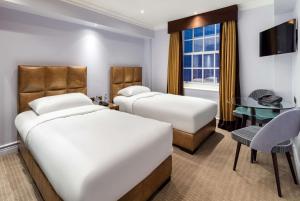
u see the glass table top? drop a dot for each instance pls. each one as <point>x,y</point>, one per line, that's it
<point>251,103</point>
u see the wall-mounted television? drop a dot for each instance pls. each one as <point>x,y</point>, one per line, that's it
<point>279,39</point>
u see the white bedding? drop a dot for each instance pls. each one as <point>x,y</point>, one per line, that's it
<point>92,153</point>
<point>185,113</point>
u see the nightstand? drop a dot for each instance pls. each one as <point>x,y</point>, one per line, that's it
<point>113,106</point>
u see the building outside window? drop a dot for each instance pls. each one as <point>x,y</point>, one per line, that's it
<point>201,57</point>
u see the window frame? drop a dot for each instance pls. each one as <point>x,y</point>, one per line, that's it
<point>215,36</point>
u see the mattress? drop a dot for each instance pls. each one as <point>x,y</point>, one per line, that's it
<point>92,153</point>
<point>185,113</point>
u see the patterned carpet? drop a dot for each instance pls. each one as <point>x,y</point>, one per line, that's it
<point>205,176</point>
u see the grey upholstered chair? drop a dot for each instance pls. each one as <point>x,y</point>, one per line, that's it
<point>274,137</point>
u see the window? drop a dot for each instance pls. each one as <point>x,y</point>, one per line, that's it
<point>201,55</point>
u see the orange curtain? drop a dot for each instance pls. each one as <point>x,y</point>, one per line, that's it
<point>229,78</point>
<point>175,81</point>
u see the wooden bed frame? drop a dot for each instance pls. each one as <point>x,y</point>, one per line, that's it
<point>39,81</point>
<point>121,77</point>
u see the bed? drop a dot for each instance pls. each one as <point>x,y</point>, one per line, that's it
<point>88,152</point>
<point>193,119</point>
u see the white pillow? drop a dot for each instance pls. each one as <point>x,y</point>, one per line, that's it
<point>133,90</point>
<point>59,102</point>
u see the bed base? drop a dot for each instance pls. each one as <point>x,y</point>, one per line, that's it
<point>191,142</point>
<point>143,191</point>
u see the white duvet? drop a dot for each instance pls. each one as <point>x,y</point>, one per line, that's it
<point>92,153</point>
<point>185,113</point>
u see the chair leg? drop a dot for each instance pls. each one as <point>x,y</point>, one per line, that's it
<point>253,155</point>
<point>288,156</point>
<point>237,153</point>
<point>275,165</point>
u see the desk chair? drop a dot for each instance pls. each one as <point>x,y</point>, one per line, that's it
<point>275,137</point>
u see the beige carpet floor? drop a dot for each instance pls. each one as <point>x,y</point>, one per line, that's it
<point>205,176</point>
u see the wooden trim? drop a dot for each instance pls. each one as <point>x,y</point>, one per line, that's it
<point>141,192</point>
<point>190,142</point>
<point>211,17</point>
<point>9,145</point>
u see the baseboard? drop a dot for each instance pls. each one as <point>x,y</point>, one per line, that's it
<point>297,161</point>
<point>9,148</point>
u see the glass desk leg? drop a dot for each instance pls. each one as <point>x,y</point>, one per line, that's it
<point>253,122</point>
<point>253,116</point>
<point>244,121</point>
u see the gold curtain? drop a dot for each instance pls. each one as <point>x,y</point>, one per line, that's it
<point>175,81</point>
<point>229,78</point>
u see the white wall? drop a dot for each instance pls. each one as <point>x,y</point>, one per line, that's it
<point>147,65</point>
<point>160,51</point>
<point>270,72</point>
<point>284,64</point>
<point>28,39</point>
<point>255,72</point>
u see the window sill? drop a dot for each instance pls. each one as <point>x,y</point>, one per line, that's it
<point>203,87</point>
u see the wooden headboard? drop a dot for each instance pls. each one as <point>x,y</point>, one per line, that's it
<point>39,81</point>
<point>122,77</point>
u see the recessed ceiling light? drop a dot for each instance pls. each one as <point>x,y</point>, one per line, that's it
<point>142,11</point>
<point>195,13</point>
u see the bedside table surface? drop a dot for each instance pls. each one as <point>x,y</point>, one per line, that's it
<point>113,106</point>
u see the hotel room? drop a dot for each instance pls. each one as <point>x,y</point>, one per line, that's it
<point>149,100</point>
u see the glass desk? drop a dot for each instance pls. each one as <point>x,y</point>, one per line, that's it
<point>248,102</point>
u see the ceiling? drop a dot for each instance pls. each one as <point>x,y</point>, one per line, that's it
<point>158,12</point>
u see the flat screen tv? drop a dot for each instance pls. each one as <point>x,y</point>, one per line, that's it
<point>279,40</point>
